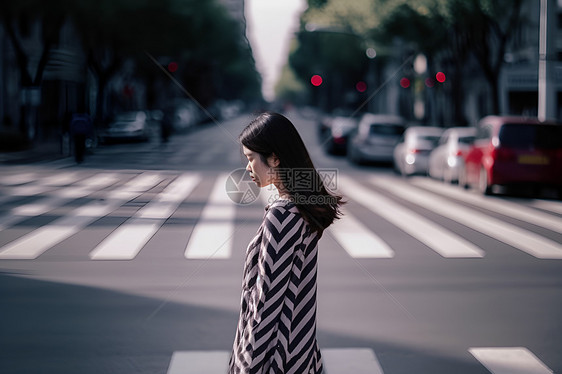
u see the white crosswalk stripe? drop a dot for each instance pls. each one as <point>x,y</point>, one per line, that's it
<point>498,360</point>
<point>34,244</point>
<point>551,206</point>
<point>503,207</point>
<point>127,241</point>
<point>214,231</point>
<point>357,240</point>
<point>510,360</point>
<point>517,237</point>
<point>57,199</point>
<point>61,179</point>
<point>336,361</point>
<point>440,240</point>
<point>212,236</point>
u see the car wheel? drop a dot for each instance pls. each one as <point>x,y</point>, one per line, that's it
<point>447,175</point>
<point>462,178</point>
<point>483,185</point>
<point>353,155</point>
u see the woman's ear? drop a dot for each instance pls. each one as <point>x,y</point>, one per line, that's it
<point>273,161</point>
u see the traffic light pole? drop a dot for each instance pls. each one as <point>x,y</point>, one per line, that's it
<point>547,38</point>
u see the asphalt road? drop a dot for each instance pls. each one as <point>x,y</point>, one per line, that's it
<point>123,265</point>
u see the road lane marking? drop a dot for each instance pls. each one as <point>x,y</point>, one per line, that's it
<point>199,362</point>
<point>69,193</point>
<point>128,239</point>
<point>15,179</point>
<point>506,208</point>
<point>357,240</point>
<point>12,193</point>
<point>350,360</point>
<point>551,206</point>
<point>57,199</point>
<point>212,234</point>
<point>510,360</point>
<point>336,361</point>
<point>37,242</point>
<point>442,241</point>
<point>60,179</point>
<point>525,240</point>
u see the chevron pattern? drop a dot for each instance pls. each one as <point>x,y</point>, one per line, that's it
<point>277,327</point>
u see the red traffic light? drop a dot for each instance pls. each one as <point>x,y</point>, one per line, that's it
<point>172,66</point>
<point>361,86</point>
<point>440,77</point>
<point>404,82</point>
<point>316,80</point>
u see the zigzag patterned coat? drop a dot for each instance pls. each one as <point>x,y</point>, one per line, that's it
<point>277,327</point>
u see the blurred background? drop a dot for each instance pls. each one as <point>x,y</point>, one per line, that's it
<point>121,249</point>
<point>443,62</point>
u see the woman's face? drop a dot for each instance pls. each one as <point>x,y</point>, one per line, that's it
<point>260,172</point>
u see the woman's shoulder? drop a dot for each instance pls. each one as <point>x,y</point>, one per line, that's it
<point>282,209</point>
<point>282,205</point>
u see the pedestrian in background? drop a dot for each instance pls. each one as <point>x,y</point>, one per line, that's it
<point>277,326</point>
<point>81,127</point>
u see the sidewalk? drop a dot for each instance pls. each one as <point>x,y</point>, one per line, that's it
<point>44,152</point>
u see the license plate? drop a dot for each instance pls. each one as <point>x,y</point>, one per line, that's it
<point>533,160</point>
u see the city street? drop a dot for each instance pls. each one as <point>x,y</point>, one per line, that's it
<point>132,263</point>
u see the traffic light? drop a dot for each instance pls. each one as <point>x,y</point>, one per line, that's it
<point>404,82</point>
<point>316,80</point>
<point>440,77</point>
<point>172,66</point>
<point>361,86</point>
<point>429,82</point>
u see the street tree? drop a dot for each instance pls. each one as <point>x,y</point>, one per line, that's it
<point>453,30</point>
<point>33,28</point>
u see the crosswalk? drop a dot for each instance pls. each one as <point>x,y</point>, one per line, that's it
<point>497,360</point>
<point>79,198</point>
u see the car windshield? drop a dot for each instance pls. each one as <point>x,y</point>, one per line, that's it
<point>430,139</point>
<point>466,139</point>
<point>130,116</point>
<point>386,130</point>
<point>531,136</point>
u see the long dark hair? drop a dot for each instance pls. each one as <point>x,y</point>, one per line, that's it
<point>273,134</point>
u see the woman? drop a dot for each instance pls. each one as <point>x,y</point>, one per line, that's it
<point>277,327</point>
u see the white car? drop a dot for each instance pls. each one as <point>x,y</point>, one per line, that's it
<point>447,160</point>
<point>375,138</point>
<point>127,126</point>
<point>411,155</point>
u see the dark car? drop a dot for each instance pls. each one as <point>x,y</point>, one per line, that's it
<point>336,137</point>
<point>514,151</point>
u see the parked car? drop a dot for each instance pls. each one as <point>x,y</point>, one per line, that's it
<point>375,138</point>
<point>411,154</point>
<point>446,159</point>
<point>336,137</point>
<point>325,121</point>
<point>127,126</point>
<point>184,114</point>
<point>512,151</point>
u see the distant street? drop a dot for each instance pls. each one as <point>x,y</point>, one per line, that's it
<point>123,265</point>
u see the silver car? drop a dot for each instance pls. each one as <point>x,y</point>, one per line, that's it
<point>127,126</point>
<point>411,155</point>
<point>446,160</point>
<point>375,138</point>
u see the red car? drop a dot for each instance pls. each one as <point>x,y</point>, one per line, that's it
<point>512,151</point>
